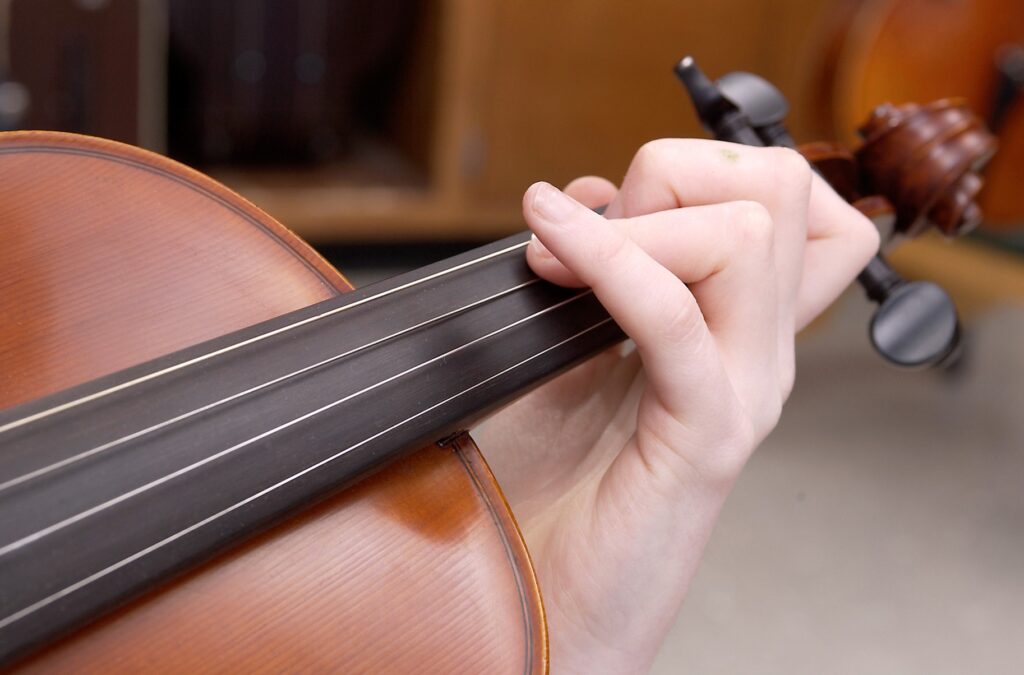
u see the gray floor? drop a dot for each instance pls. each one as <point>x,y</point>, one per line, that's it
<point>880,529</point>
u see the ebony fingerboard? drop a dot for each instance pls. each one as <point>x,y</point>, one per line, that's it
<point>111,487</point>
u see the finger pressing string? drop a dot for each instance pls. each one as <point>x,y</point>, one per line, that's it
<point>647,300</point>
<point>592,191</point>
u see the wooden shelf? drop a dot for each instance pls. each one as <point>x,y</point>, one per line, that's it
<point>418,182</point>
<point>329,212</point>
<point>497,95</point>
<point>377,194</point>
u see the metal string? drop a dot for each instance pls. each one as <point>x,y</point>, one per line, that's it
<point>252,390</point>
<point>223,350</point>
<point>82,515</point>
<point>20,614</point>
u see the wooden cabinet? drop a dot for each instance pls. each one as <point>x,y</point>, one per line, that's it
<point>505,92</point>
<point>492,94</point>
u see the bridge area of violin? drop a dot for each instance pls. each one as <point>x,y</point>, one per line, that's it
<point>113,256</point>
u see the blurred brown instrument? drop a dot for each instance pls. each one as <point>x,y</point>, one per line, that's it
<point>880,51</point>
<point>113,256</point>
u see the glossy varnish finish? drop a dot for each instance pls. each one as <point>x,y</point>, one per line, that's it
<point>403,573</point>
<point>216,441</point>
<point>113,256</point>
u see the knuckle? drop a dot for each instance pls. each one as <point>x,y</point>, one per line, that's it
<point>655,155</point>
<point>791,167</point>
<point>753,225</point>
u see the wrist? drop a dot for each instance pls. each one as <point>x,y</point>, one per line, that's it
<point>576,651</point>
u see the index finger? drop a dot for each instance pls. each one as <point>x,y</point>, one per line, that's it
<point>649,302</point>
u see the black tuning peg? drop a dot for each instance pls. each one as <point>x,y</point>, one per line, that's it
<point>721,116</point>
<point>916,323</point>
<point>761,102</point>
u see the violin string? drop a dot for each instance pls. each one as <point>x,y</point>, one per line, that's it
<point>26,611</point>
<point>253,390</point>
<point>82,515</point>
<point>257,338</point>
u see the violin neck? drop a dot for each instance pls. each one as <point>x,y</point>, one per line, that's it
<point>215,442</point>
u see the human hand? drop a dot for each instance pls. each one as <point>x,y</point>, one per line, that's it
<point>710,257</point>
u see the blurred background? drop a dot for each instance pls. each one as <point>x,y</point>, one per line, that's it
<point>881,529</point>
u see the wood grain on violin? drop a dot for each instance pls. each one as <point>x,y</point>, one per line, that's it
<point>113,257</point>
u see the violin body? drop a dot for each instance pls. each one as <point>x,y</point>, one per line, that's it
<point>113,256</point>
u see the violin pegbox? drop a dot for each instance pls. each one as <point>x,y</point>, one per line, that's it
<point>917,167</point>
<point>926,160</point>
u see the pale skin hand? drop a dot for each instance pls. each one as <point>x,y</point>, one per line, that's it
<point>712,257</point>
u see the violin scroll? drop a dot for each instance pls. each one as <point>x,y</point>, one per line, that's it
<point>926,160</point>
<point>917,166</point>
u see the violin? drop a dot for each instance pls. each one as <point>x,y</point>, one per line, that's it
<point>916,168</point>
<point>185,372</point>
<point>215,452</point>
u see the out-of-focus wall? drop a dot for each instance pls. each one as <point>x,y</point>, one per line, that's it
<point>576,87</point>
<point>430,136</point>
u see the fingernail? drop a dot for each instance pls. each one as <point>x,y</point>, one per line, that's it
<point>552,204</point>
<point>539,248</point>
